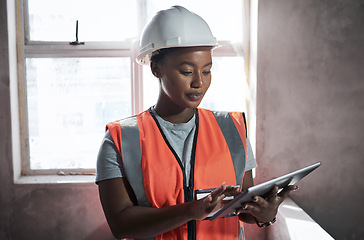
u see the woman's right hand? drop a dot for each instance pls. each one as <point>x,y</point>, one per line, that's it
<point>200,209</point>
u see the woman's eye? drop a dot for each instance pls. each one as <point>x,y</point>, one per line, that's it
<point>207,72</point>
<point>186,73</point>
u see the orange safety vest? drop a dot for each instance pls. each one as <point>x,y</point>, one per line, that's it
<point>156,173</point>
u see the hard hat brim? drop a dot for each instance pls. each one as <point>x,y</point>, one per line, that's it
<point>144,57</point>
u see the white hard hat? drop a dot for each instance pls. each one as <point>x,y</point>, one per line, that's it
<point>174,27</point>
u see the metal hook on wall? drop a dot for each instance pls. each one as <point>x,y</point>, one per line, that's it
<point>77,42</point>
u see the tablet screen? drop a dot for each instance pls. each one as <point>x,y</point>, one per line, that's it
<point>262,189</point>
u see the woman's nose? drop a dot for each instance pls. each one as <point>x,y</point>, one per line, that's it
<point>197,81</point>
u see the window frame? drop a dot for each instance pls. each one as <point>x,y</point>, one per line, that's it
<point>61,49</point>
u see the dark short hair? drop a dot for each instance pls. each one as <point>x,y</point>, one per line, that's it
<point>158,55</point>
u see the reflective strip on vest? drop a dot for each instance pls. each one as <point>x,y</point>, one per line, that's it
<point>241,232</point>
<point>233,141</point>
<point>132,159</point>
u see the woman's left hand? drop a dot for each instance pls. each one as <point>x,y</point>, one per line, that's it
<point>265,209</point>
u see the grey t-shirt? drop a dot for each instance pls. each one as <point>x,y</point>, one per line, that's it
<point>180,136</point>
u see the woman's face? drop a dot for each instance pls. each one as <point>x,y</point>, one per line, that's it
<point>185,76</point>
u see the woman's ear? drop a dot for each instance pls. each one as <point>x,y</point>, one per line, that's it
<point>155,67</point>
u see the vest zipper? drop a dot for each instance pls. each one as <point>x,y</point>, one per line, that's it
<point>188,191</point>
<point>192,227</point>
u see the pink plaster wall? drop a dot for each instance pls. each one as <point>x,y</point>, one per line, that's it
<point>310,105</point>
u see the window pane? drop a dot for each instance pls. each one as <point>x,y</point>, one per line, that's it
<point>108,20</point>
<point>150,88</point>
<point>70,100</point>
<point>212,11</point>
<point>228,90</point>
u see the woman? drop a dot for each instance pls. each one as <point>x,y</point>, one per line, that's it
<point>152,166</point>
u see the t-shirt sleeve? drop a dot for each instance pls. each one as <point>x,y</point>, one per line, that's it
<point>108,160</point>
<point>250,160</point>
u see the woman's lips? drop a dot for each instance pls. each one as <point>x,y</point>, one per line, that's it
<point>195,96</point>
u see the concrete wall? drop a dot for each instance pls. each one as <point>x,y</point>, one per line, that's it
<point>310,105</point>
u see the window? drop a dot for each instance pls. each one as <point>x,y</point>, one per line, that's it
<point>69,92</point>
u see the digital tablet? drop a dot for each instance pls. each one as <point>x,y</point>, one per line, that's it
<point>262,189</point>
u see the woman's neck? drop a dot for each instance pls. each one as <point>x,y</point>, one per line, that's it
<point>174,115</point>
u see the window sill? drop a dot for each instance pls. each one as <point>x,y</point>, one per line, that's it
<point>294,223</point>
<point>55,179</point>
